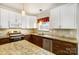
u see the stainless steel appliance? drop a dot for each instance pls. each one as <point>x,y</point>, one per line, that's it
<point>16,36</point>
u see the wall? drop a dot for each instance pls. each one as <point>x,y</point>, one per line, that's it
<point>77,22</point>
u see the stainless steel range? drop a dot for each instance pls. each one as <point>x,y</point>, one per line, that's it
<point>16,36</point>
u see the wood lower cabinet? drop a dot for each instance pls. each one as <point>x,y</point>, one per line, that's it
<point>4,41</point>
<point>57,46</point>
<point>28,38</point>
<point>64,48</point>
<point>37,40</point>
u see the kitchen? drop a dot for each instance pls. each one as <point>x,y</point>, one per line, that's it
<point>38,28</point>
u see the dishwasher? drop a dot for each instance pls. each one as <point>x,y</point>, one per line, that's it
<point>47,44</point>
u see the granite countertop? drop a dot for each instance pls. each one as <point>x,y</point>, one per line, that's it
<point>72,40</point>
<point>22,47</point>
<point>59,38</point>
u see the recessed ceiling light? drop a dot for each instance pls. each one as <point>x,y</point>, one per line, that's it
<point>40,10</point>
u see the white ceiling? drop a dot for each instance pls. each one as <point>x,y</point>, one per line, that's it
<point>32,8</point>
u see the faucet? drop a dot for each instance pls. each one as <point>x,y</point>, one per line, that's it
<point>42,33</point>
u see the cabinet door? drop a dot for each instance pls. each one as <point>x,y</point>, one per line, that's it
<point>63,17</point>
<point>24,22</point>
<point>31,22</point>
<point>34,22</point>
<point>54,18</point>
<point>0,19</point>
<point>18,20</point>
<point>68,13</point>
<point>64,48</point>
<point>37,40</point>
<point>4,18</point>
<point>28,38</point>
<point>4,41</point>
<point>12,17</point>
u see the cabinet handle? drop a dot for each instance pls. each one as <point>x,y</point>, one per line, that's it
<point>59,26</point>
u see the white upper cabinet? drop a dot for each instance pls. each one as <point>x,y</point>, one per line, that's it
<point>68,16</point>
<point>18,20</point>
<point>14,20</point>
<point>32,21</point>
<point>3,18</point>
<point>55,18</point>
<point>63,17</point>
<point>29,22</point>
<point>24,22</point>
<point>10,19</point>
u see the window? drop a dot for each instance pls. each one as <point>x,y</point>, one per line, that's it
<point>43,24</point>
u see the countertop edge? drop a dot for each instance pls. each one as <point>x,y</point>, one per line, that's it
<point>58,38</point>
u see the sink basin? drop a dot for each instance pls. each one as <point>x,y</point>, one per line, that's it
<point>47,35</point>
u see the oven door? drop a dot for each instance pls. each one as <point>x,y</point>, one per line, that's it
<point>16,38</point>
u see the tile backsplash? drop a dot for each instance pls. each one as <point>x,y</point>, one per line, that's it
<point>23,31</point>
<point>69,33</point>
<point>64,33</point>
